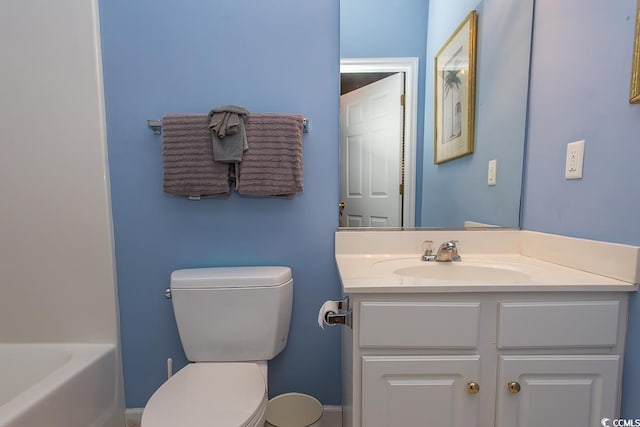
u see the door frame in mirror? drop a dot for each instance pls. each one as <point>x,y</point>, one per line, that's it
<point>408,66</point>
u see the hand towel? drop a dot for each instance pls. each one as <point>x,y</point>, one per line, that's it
<point>188,165</point>
<point>272,166</point>
<point>228,135</point>
<point>225,119</point>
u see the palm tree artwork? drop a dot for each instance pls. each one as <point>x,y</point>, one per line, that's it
<point>452,106</point>
<point>455,69</point>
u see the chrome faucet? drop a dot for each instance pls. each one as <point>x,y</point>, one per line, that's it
<point>447,252</point>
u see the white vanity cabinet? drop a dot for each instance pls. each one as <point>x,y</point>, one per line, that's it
<point>504,359</point>
<point>563,390</point>
<point>419,390</point>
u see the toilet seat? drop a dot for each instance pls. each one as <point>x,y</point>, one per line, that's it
<point>208,394</point>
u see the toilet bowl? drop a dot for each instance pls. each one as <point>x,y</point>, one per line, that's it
<point>210,394</point>
<point>231,320</point>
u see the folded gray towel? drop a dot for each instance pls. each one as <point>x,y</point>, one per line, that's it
<point>230,148</point>
<point>272,166</point>
<point>230,108</point>
<point>188,165</point>
<point>225,119</point>
<point>228,133</point>
<point>223,124</point>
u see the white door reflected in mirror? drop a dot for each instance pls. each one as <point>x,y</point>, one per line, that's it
<point>371,139</point>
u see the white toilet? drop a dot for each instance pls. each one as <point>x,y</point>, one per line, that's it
<point>231,320</point>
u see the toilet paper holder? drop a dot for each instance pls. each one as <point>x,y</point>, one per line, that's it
<point>341,318</point>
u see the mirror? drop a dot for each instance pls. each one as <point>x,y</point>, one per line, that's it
<point>394,43</point>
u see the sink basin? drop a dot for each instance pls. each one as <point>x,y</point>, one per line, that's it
<point>468,271</point>
<point>464,273</point>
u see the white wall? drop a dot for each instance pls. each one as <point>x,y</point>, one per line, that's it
<point>57,276</point>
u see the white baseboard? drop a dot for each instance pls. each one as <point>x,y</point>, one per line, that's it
<point>332,416</point>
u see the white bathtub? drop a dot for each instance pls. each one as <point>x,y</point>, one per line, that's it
<point>58,385</point>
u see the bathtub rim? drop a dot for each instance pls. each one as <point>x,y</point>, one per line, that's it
<point>82,355</point>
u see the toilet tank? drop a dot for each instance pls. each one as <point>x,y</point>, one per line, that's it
<point>232,313</point>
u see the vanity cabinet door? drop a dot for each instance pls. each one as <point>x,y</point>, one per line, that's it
<point>420,391</point>
<point>556,391</point>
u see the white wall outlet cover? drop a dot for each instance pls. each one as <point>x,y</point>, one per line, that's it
<point>493,172</point>
<point>575,158</point>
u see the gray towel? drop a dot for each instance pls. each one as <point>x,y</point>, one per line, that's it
<point>225,119</point>
<point>272,166</point>
<point>223,124</point>
<point>228,133</point>
<point>188,165</point>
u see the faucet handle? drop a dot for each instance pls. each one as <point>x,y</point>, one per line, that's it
<point>427,247</point>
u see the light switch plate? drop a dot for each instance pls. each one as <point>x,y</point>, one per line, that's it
<point>493,172</point>
<point>575,158</point>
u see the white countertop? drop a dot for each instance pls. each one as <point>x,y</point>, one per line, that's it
<point>529,263</point>
<point>375,273</point>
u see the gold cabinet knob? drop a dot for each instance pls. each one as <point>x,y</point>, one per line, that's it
<point>473,387</point>
<point>513,387</point>
<point>342,205</point>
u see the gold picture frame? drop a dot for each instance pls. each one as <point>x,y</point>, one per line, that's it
<point>634,97</point>
<point>454,98</point>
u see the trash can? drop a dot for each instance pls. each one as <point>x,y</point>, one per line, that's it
<point>293,410</point>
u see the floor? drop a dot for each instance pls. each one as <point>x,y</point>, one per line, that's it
<point>332,417</point>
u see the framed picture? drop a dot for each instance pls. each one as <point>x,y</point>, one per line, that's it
<point>635,71</point>
<point>455,78</point>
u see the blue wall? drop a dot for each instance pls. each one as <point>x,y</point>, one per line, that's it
<point>580,78</point>
<point>366,31</point>
<point>160,58</point>
<point>185,57</point>
<point>456,191</point>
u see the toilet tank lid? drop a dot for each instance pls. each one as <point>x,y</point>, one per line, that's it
<point>229,277</point>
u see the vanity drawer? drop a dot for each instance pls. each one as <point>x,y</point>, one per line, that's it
<point>558,324</point>
<point>419,324</point>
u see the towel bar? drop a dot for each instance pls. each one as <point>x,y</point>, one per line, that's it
<point>156,126</point>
